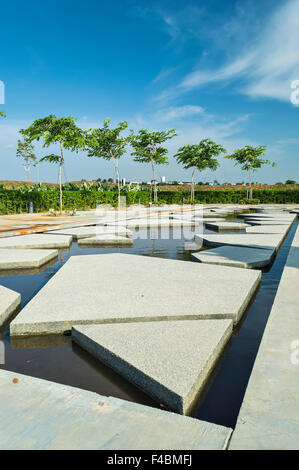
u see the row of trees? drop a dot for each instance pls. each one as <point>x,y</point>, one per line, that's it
<point>111,143</point>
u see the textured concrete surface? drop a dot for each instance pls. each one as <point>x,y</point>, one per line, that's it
<point>105,240</point>
<point>121,288</point>
<point>266,241</point>
<point>86,232</point>
<point>268,222</point>
<point>40,415</point>
<point>271,229</point>
<point>159,222</point>
<point>9,302</point>
<point>25,259</point>
<point>280,215</point>
<point>36,241</point>
<point>269,417</point>
<point>171,361</point>
<point>230,226</point>
<point>234,256</point>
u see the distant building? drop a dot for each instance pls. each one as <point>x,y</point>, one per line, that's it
<point>163,179</point>
<point>123,182</point>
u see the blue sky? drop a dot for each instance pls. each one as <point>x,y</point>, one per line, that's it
<point>209,68</point>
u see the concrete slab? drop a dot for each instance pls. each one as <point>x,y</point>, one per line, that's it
<point>280,215</point>
<point>93,231</point>
<point>158,222</point>
<point>283,229</point>
<point>234,256</point>
<point>229,226</point>
<point>25,259</point>
<point>105,240</point>
<point>36,241</point>
<point>128,288</point>
<point>9,302</point>
<point>41,415</point>
<point>269,417</point>
<point>170,361</point>
<point>266,241</point>
<point>268,222</point>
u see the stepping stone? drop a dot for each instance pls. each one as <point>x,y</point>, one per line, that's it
<point>234,256</point>
<point>268,229</point>
<point>266,241</point>
<point>9,302</point>
<point>170,361</point>
<point>105,240</point>
<point>119,287</point>
<point>230,226</point>
<point>51,416</point>
<point>25,259</point>
<point>87,232</point>
<point>266,216</point>
<point>268,222</point>
<point>36,241</point>
<point>158,222</point>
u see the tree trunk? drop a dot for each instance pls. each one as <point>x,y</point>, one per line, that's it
<point>60,183</point>
<point>250,184</point>
<point>192,186</point>
<point>117,178</point>
<point>155,183</point>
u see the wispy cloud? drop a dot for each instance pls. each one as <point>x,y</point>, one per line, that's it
<point>175,113</point>
<point>264,69</point>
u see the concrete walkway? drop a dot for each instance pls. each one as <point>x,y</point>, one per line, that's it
<point>39,415</point>
<point>269,417</point>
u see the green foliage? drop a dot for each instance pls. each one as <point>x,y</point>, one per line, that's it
<point>200,156</point>
<point>52,130</point>
<point>105,142</point>
<point>147,146</point>
<point>25,150</point>
<point>2,114</point>
<point>250,157</point>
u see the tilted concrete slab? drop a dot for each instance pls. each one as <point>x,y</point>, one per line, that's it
<point>25,259</point>
<point>119,287</point>
<point>268,229</point>
<point>93,231</point>
<point>266,241</point>
<point>229,226</point>
<point>269,417</point>
<point>268,222</point>
<point>41,415</point>
<point>279,215</point>
<point>235,256</point>
<point>159,222</point>
<point>105,240</point>
<point>36,241</point>
<point>169,360</point>
<point>9,302</point>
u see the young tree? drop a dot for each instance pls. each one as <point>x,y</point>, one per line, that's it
<point>2,114</point>
<point>25,150</point>
<point>108,143</point>
<point>52,130</point>
<point>147,149</point>
<point>250,160</point>
<point>199,157</point>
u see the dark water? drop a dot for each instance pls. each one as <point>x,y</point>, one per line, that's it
<point>57,359</point>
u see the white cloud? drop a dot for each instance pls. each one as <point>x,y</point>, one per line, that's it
<point>178,112</point>
<point>265,68</point>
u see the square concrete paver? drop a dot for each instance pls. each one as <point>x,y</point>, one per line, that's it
<point>169,360</point>
<point>122,287</point>
<point>9,302</point>
<point>36,241</point>
<point>25,259</point>
<point>93,231</point>
<point>235,256</point>
<point>266,241</point>
<point>229,226</point>
<point>109,239</point>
